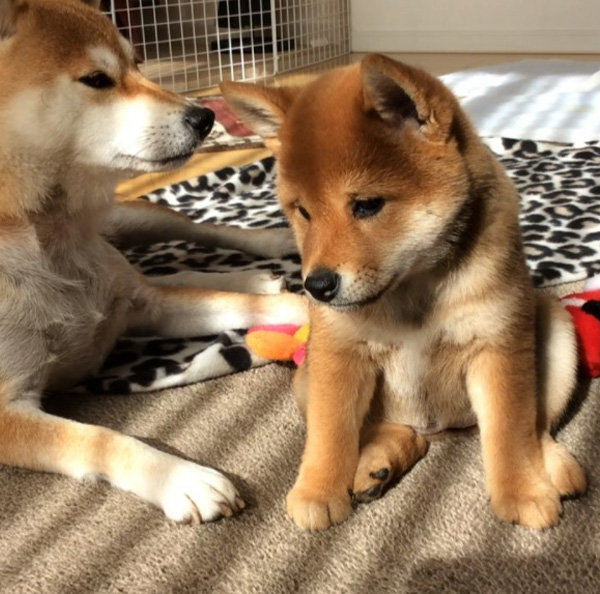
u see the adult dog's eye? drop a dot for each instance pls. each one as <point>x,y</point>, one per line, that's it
<point>368,207</point>
<point>98,80</point>
<point>304,212</point>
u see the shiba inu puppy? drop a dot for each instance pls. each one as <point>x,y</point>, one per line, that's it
<point>75,116</point>
<point>423,315</point>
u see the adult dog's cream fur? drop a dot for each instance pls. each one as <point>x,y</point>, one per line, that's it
<point>75,115</point>
<point>424,316</point>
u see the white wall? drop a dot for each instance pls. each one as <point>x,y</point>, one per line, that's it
<point>571,26</point>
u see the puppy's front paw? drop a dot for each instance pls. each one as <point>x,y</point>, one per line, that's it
<point>313,510</point>
<point>193,493</point>
<point>534,503</point>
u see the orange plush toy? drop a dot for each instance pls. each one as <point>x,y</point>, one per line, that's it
<point>279,342</point>
<point>287,342</point>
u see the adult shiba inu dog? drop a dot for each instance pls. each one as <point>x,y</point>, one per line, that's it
<point>76,115</point>
<point>423,315</point>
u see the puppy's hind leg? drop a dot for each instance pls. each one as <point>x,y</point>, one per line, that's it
<point>502,389</point>
<point>557,373</point>
<point>388,450</point>
<point>186,492</point>
<point>139,222</point>
<point>557,359</point>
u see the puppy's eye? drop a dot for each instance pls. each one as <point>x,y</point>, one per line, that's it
<point>304,212</point>
<point>98,80</point>
<point>368,207</point>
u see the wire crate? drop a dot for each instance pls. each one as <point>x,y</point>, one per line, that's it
<point>188,45</point>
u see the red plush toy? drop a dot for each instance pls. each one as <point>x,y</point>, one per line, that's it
<point>584,308</point>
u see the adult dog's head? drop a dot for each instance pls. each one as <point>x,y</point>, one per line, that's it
<point>72,93</point>
<point>372,173</point>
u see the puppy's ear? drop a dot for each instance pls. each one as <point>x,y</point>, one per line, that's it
<point>262,108</point>
<point>402,95</point>
<point>10,13</point>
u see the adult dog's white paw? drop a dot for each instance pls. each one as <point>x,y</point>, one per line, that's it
<point>193,493</point>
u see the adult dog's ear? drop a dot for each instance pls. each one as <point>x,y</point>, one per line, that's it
<point>10,13</point>
<point>400,95</point>
<point>12,10</point>
<point>262,108</point>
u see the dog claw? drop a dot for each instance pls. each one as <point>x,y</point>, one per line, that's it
<point>381,475</point>
<point>226,510</point>
<point>195,517</point>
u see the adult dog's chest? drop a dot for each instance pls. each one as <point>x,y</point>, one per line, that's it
<point>65,309</point>
<point>91,316</point>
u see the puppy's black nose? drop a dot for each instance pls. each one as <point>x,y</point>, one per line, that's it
<point>323,284</point>
<point>200,120</point>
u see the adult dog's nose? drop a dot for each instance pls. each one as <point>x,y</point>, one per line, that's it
<point>323,284</point>
<point>200,120</point>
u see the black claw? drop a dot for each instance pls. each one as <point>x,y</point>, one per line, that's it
<point>381,475</point>
<point>373,492</point>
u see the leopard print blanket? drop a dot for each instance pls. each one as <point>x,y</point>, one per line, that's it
<point>559,185</point>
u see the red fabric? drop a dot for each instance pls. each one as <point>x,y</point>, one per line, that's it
<point>588,333</point>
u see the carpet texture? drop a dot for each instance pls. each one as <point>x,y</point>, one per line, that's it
<point>434,532</point>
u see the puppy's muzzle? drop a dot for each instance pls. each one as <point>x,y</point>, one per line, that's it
<point>199,120</point>
<point>323,284</point>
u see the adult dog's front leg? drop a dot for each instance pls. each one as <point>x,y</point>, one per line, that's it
<point>186,492</point>
<point>502,388</point>
<point>245,281</point>
<point>340,387</point>
<point>139,222</point>
<point>187,311</point>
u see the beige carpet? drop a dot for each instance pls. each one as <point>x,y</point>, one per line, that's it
<point>432,533</point>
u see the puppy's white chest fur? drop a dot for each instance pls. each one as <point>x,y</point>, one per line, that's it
<point>422,380</point>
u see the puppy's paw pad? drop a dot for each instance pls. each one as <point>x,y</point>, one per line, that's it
<point>383,474</point>
<point>388,456</point>
<point>370,485</point>
<point>312,511</point>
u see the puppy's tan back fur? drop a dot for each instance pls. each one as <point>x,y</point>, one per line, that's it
<point>428,317</point>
